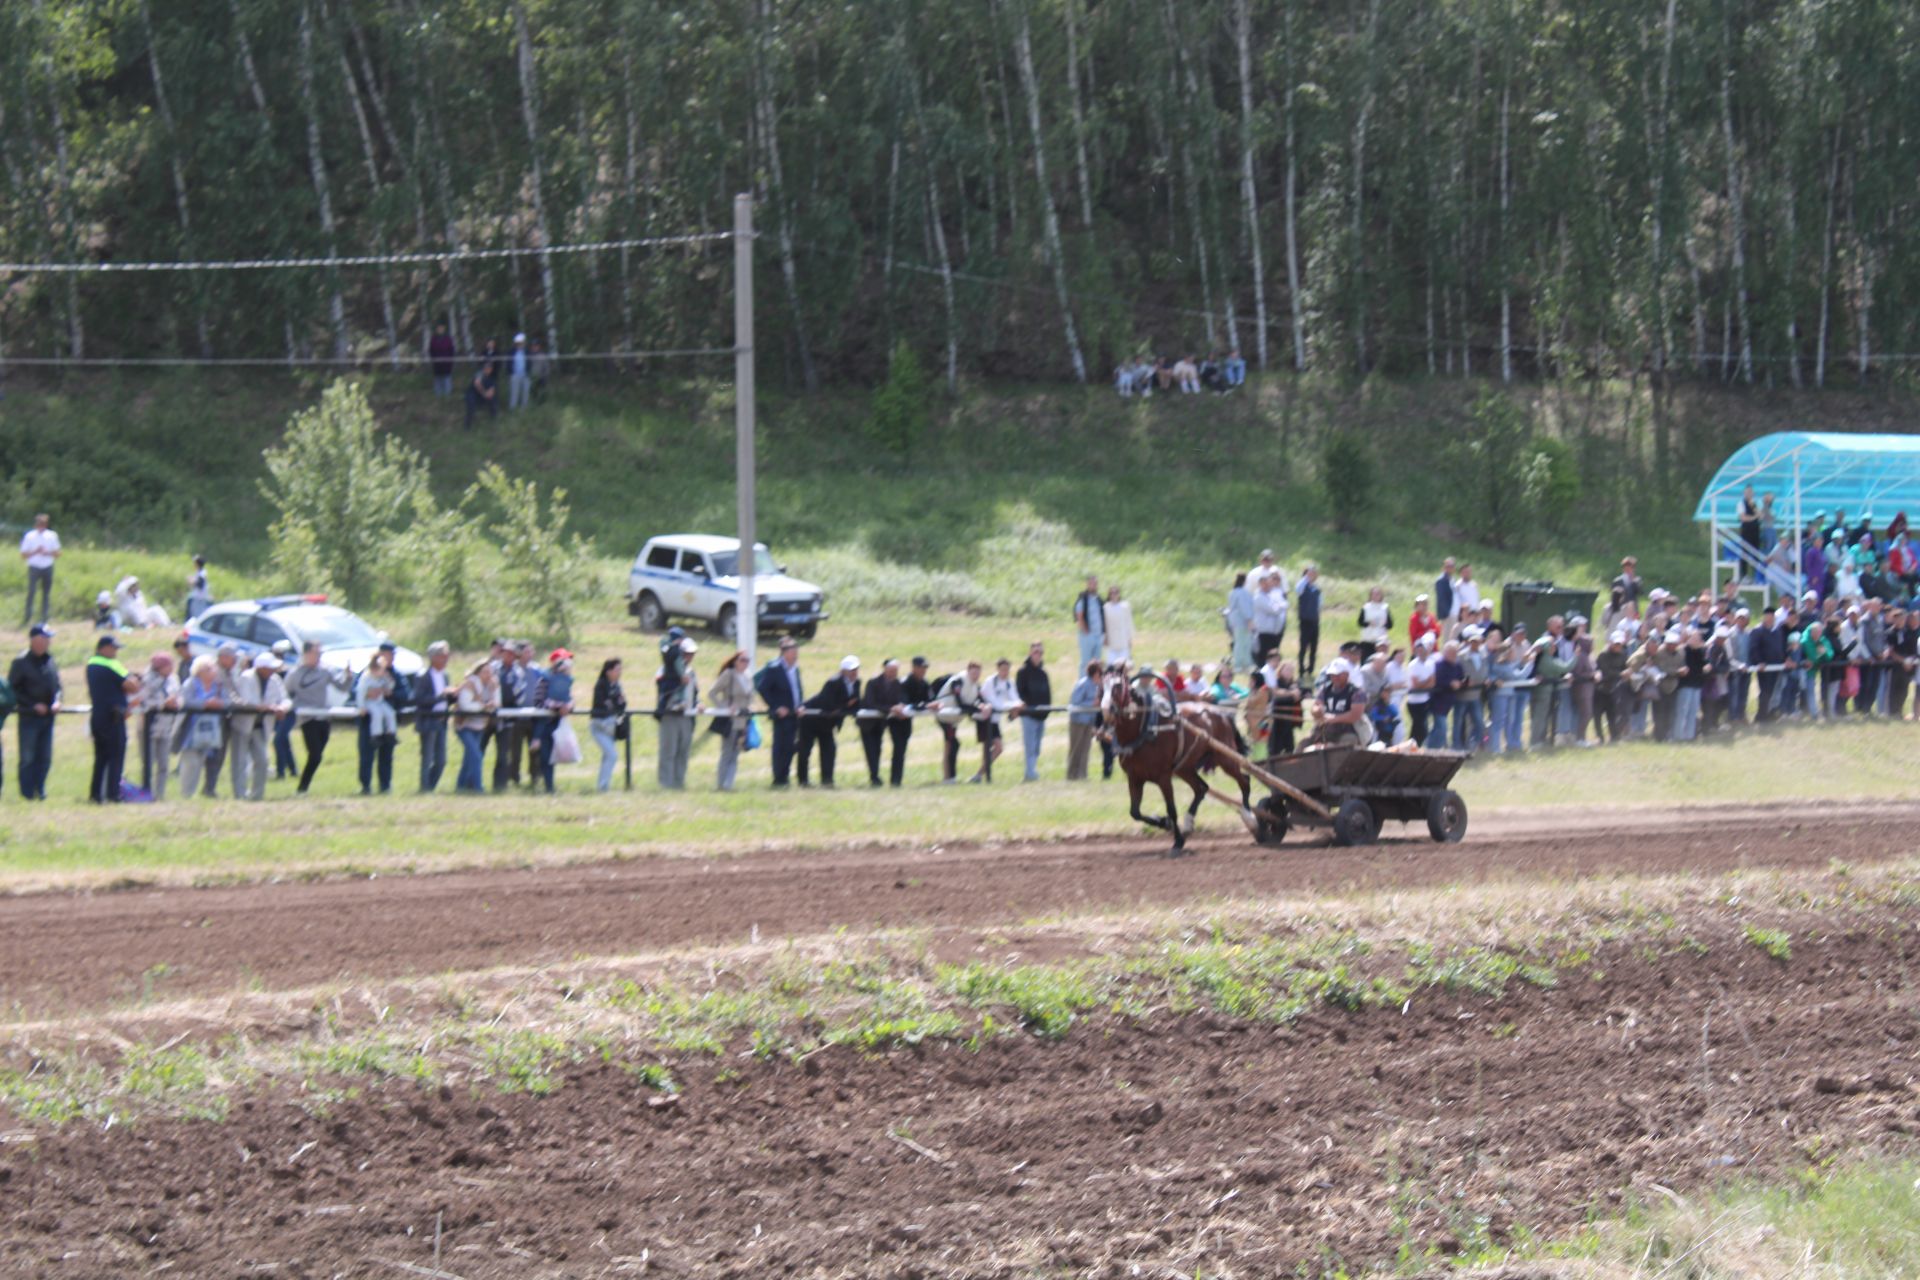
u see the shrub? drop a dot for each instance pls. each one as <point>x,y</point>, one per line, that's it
<point>1347,478</point>
<point>547,573</point>
<point>344,496</point>
<point>901,406</point>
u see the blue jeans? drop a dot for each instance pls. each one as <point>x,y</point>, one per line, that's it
<point>543,731</point>
<point>609,748</point>
<point>433,751</point>
<point>284,765</point>
<point>1441,733</point>
<point>443,384</point>
<point>36,755</point>
<point>1030,734</point>
<point>1090,642</point>
<point>1686,714</point>
<point>473,751</point>
<point>1499,712</point>
<point>1469,726</point>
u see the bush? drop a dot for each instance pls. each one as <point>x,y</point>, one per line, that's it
<point>344,498</point>
<point>547,573</point>
<point>901,406</point>
<point>1347,478</point>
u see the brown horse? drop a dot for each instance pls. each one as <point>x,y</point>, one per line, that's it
<point>1157,743</point>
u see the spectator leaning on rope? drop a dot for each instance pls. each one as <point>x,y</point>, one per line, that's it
<point>159,705</point>
<point>830,704</point>
<point>201,729</point>
<point>108,685</point>
<point>251,730</point>
<point>557,698</point>
<point>731,699</point>
<point>607,719</point>
<point>778,685</point>
<point>433,699</point>
<point>307,686</point>
<point>1034,690</point>
<point>677,701</point>
<point>35,682</point>
<point>474,705</point>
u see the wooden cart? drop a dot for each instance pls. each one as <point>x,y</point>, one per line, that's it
<point>1354,791</point>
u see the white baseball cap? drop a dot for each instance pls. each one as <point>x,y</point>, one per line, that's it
<point>849,663</point>
<point>1339,667</point>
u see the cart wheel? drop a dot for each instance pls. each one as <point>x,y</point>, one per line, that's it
<point>1271,817</point>
<point>1446,816</point>
<point>1354,823</point>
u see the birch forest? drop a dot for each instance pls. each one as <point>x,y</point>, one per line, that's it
<point>1509,189</point>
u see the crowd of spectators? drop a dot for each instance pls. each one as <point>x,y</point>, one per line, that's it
<point>1451,676</point>
<point>1184,375</point>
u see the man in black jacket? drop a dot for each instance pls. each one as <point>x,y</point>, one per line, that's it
<point>1768,649</point>
<point>1035,690</point>
<point>36,689</point>
<point>830,706</point>
<point>778,685</point>
<point>887,695</point>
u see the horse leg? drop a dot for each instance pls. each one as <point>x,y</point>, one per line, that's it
<point>1173,818</point>
<point>1201,791</point>
<point>1136,788</point>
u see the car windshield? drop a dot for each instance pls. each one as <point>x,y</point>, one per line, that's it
<point>726,563</point>
<point>333,628</point>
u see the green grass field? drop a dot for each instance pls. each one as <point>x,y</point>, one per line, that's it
<point>332,830</point>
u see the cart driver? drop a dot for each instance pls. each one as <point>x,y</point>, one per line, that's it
<point>1340,712</point>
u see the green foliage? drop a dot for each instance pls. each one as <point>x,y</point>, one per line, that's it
<point>1511,485</point>
<point>1348,478</point>
<point>548,574</point>
<point>1775,942</point>
<point>344,496</point>
<point>902,405</point>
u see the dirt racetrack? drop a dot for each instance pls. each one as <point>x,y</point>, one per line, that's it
<point>1169,1147</point>
<point>62,952</point>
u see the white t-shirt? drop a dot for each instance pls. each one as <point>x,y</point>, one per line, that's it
<point>1466,592</point>
<point>1119,639</point>
<point>1418,669</point>
<point>38,546</point>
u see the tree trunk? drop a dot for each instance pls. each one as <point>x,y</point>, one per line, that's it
<point>1657,266</point>
<point>936,227</point>
<point>1249,198</point>
<point>176,164</point>
<point>1506,201</point>
<point>1826,264</point>
<point>1359,198</point>
<point>1792,213</point>
<point>1184,144</point>
<point>530,114</point>
<point>322,186</point>
<point>1735,207</point>
<point>1071,8</point>
<point>789,272</point>
<point>1023,53</point>
<point>373,181</point>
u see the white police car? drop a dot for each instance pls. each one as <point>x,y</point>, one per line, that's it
<point>696,576</point>
<point>254,626</point>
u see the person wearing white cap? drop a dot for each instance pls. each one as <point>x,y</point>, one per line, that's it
<point>824,712</point>
<point>1469,720</point>
<point>135,609</point>
<point>519,375</point>
<point>265,694</point>
<point>1421,670</point>
<point>1507,706</point>
<point>679,703</point>
<point>1340,709</point>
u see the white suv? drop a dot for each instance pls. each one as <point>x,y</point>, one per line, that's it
<point>696,576</point>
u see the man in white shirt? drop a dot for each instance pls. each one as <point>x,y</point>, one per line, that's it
<point>1276,596</point>
<point>39,547</point>
<point>1466,593</point>
<point>1002,698</point>
<point>1420,687</point>
<point>1259,572</point>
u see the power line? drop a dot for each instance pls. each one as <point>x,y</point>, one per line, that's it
<point>363,260</point>
<point>367,361</point>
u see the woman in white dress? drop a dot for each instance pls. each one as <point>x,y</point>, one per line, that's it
<point>1119,638</point>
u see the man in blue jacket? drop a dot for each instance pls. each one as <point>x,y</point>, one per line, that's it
<point>778,685</point>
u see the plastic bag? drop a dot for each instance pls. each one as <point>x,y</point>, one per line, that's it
<point>566,744</point>
<point>753,733</point>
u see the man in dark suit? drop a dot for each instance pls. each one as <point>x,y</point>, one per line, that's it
<point>886,694</point>
<point>778,685</point>
<point>835,700</point>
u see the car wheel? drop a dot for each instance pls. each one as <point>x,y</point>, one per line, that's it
<point>652,616</point>
<point>1354,823</point>
<point>1446,816</point>
<point>724,625</point>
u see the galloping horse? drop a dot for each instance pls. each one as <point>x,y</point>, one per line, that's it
<point>1157,743</point>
